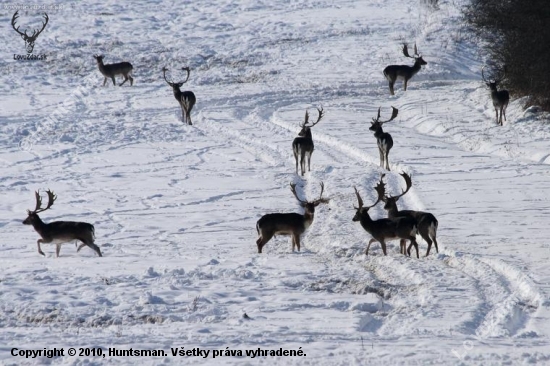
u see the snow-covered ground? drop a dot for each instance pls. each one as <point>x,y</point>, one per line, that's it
<point>175,206</point>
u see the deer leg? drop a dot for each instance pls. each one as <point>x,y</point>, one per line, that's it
<point>40,250</point>
<point>496,113</point>
<point>504,111</point>
<point>303,161</point>
<point>429,241</point>
<point>391,88</point>
<point>381,152</point>
<point>95,248</point>
<point>182,113</point>
<point>383,243</point>
<point>262,240</point>
<point>113,78</point>
<point>386,153</point>
<point>57,249</point>
<point>104,81</point>
<point>80,247</point>
<point>131,80</point>
<point>296,240</point>
<point>125,80</point>
<point>413,242</point>
<point>402,246</point>
<point>368,246</point>
<point>309,162</point>
<point>296,158</point>
<point>405,85</point>
<point>188,117</point>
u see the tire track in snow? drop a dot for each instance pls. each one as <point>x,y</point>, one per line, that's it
<point>503,316</point>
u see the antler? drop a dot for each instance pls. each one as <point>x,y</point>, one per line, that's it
<point>13,19</point>
<point>406,51</point>
<point>321,199</point>
<point>483,75</point>
<point>36,33</point>
<point>188,73</point>
<point>51,199</point>
<point>164,69</point>
<point>380,188</point>
<point>408,183</point>
<point>321,115</point>
<point>293,189</point>
<point>394,113</point>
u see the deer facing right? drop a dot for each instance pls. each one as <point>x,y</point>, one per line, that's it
<point>405,72</point>
<point>59,232</point>
<point>427,223</point>
<point>293,224</point>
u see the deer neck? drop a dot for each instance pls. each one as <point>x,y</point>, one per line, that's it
<point>392,211</point>
<point>308,218</point>
<point>417,66</point>
<point>39,226</point>
<point>366,222</point>
<point>177,92</point>
<point>379,132</point>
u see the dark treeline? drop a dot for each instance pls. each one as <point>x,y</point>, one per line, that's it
<point>518,37</point>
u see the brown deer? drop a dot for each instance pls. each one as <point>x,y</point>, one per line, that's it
<point>293,224</point>
<point>112,70</point>
<point>186,99</point>
<point>303,144</point>
<point>383,139</point>
<point>59,232</point>
<point>500,98</point>
<point>427,223</point>
<point>382,230</point>
<point>405,72</point>
<point>29,40</point>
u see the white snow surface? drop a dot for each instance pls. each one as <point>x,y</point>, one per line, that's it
<point>175,206</point>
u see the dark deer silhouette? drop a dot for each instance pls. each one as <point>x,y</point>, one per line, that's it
<point>29,40</point>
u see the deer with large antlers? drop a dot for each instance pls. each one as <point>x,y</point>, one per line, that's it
<point>500,98</point>
<point>186,99</point>
<point>382,230</point>
<point>59,232</point>
<point>109,71</point>
<point>427,223</point>
<point>29,40</point>
<point>383,139</point>
<point>293,224</point>
<point>303,146</point>
<point>405,72</point>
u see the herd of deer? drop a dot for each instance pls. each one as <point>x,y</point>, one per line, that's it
<point>403,225</point>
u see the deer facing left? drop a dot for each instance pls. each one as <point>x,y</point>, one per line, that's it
<point>293,224</point>
<point>59,232</point>
<point>112,70</point>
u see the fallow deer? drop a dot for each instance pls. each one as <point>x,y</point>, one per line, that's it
<point>500,98</point>
<point>293,224</point>
<point>59,232</point>
<point>405,72</point>
<point>186,99</point>
<point>383,139</point>
<point>427,223</point>
<point>382,230</point>
<point>303,146</point>
<point>112,70</point>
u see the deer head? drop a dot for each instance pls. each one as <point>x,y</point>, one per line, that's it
<point>33,215</point>
<point>380,188</point>
<point>376,124</point>
<point>390,202</point>
<point>309,206</point>
<point>306,129</point>
<point>29,40</point>
<point>176,85</point>
<point>417,57</point>
<point>494,80</point>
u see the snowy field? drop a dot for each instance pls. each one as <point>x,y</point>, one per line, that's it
<point>175,206</point>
